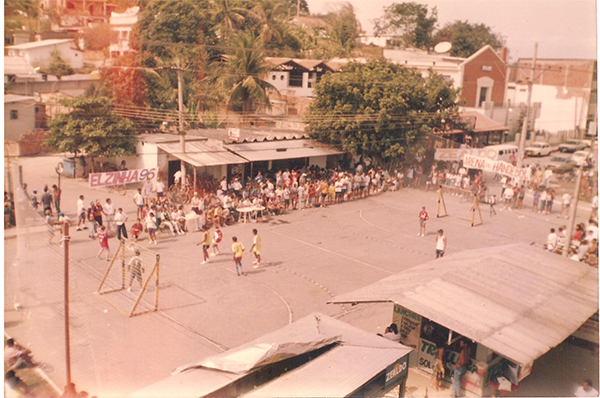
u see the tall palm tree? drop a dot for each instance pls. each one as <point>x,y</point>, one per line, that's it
<point>227,17</point>
<point>245,69</point>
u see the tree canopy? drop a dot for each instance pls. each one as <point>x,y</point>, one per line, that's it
<point>467,38</point>
<point>58,67</point>
<point>380,109</point>
<point>413,24</point>
<point>91,129</point>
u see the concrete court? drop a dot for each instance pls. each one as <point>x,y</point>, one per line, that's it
<point>309,256</point>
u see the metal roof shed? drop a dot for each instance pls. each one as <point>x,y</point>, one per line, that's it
<point>325,346</point>
<point>517,300</point>
<point>282,149</point>
<point>201,153</point>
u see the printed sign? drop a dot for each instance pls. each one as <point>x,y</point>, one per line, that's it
<point>396,371</point>
<point>121,177</point>
<point>233,134</point>
<point>496,166</point>
<point>409,325</point>
<point>450,154</point>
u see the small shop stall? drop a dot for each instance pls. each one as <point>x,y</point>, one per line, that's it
<point>511,303</point>
<point>314,356</point>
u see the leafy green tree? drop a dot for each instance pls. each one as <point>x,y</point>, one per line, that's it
<point>343,31</point>
<point>58,67</point>
<point>272,27</point>
<point>227,16</point>
<point>126,81</point>
<point>91,129</point>
<point>19,13</point>
<point>245,70</point>
<point>467,38</point>
<point>97,37</point>
<point>380,110</point>
<point>413,24</point>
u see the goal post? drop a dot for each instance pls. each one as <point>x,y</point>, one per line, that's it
<point>114,285</point>
<point>475,218</point>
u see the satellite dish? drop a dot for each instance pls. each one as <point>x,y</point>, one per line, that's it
<point>442,47</point>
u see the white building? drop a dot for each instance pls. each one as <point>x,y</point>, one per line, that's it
<point>39,53</point>
<point>121,25</point>
<point>443,64</point>
<point>296,77</point>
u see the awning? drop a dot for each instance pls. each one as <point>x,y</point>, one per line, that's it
<point>517,300</point>
<point>201,153</point>
<point>337,373</point>
<point>278,150</point>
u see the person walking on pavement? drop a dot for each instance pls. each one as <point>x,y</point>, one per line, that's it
<point>120,218</point>
<point>440,244</point>
<point>109,211</point>
<point>460,368</point>
<point>238,251</point>
<point>423,218</point>
<point>256,248</point>
<point>138,200</point>
<point>566,205</point>
<point>103,240</point>
<point>46,201</point>
<point>81,213</point>
<point>205,244</point>
<point>56,193</point>
<point>217,237</point>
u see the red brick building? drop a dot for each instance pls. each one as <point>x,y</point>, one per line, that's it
<point>484,78</point>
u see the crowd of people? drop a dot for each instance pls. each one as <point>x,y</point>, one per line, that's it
<point>583,245</point>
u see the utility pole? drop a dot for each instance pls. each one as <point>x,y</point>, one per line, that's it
<point>181,125</point>
<point>298,9</point>
<point>66,241</point>
<point>528,113</point>
<point>573,212</point>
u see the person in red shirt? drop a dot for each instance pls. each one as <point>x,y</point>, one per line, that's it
<point>103,239</point>
<point>137,229</point>
<point>423,217</point>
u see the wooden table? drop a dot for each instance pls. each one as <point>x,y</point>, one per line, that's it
<point>249,211</point>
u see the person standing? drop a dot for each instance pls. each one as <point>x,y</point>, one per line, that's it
<point>217,237</point>
<point>461,367</point>
<point>160,188</point>
<point>98,210</point>
<point>196,201</point>
<point>46,201</point>
<point>440,244</point>
<point>109,211</point>
<point>138,200</point>
<point>56,193</point>
<point>103,240</point>
<point>120,218</point>
<point>205,244</point>
<point>508,197</point>
<point>238,251</point>
<point>147,192</point>
<point>566,205</point>
<point>423,218</point>
<point>136,268</point>
<point>586,390</point>
<point>91,220</point>
<point>256,248</point>
<point>81,213</point>
<point>492,202</point>
<point>151,226</point>
<point>552,240</point>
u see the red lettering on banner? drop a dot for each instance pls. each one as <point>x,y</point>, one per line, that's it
<point>133,176</point>
<point>109,179</point>
<point>94,180</point>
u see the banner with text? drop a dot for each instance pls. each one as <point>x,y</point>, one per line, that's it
<point>456,154</point>
<point>121,177</point>
<point>496,166</point>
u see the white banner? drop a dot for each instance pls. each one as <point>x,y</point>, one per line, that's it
<point>121,177</point>
<point>450,154</point>
<point>496,166</point>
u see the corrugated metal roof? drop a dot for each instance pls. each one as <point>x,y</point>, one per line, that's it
<point>516,299</point>
<point>276,150</point>
<point>201,153</point>
<point>17,66</point>
<point>37,44</point>
<point>195,380</point>
<point>337,373</point>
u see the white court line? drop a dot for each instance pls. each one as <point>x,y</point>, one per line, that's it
<point>334,253</point>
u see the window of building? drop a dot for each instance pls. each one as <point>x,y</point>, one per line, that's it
<point>14,114</point>
<point>483,92</point>
<point>295,78</point>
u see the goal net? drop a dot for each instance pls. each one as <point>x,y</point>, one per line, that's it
<point>131,281</point>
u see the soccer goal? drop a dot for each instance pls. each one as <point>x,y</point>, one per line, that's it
<point>474,214</point>
<point>133,287</point>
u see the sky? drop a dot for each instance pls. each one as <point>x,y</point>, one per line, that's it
<point>562,28</point>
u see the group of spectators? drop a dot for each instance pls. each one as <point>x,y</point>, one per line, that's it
<point>584,242</point>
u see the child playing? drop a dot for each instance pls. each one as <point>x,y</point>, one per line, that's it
<point>492,203</point>
<point>136,268</point>
<point>217,237</point>
<point>103,239</point>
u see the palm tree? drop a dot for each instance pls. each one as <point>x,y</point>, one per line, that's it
<point>245,69</point>
<point>227,17</point>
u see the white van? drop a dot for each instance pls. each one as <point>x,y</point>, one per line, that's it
<point>493,152</point>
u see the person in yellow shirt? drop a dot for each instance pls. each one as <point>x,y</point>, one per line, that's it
<point>331,193</point>
<point>238,250</point>
<point>324,191</point>
<point>256,247</point>
<point>205,243</point>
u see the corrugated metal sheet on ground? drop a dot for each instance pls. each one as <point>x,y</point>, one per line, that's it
<point>517,300</point>
<point>337,373</point>
<point>201,153</point>
<point>278,150</point>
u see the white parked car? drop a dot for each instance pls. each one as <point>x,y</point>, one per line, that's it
<point>580,156</point>
<point>538,149</point>
<point>572,146</point>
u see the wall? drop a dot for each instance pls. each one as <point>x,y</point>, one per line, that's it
<point>320,161</point>
<point>562,108</point>
<point>41,56</point>
<point>14,129</point>
<point>473,71</point>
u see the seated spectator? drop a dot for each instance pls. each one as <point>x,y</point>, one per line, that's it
<point>391,333</point>
<point>17,356</point>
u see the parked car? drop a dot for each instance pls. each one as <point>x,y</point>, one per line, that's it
<point>572,146</point>
<point>538,149</point>
<point>580,156</point>
<point>560,165</point>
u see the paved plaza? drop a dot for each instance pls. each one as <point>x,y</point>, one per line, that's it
<point>309,256</point>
